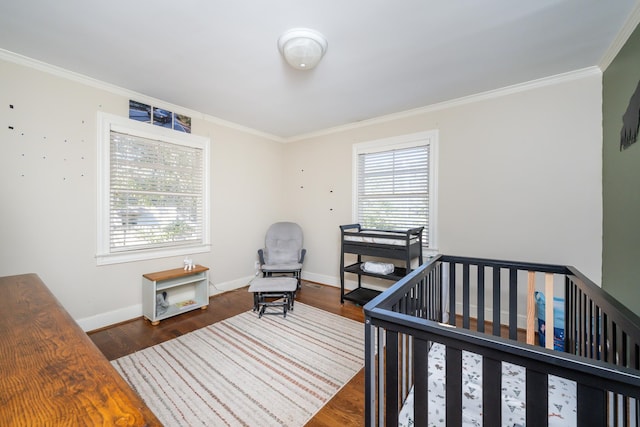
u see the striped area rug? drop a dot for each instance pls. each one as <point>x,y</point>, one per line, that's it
<point>246,371</point>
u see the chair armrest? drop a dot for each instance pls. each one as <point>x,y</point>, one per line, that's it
<point>303,252</point>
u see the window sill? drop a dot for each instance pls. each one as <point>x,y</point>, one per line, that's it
<point>122,257</point>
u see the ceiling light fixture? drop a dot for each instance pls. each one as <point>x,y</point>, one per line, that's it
<point>302,48</point>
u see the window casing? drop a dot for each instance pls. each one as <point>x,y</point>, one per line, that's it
<point>152,191</point>
<point>395,184</point>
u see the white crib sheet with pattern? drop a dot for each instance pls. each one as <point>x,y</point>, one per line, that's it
<point>562,394</point>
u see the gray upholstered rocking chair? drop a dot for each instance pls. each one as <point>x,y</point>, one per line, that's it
<point>283,251</point>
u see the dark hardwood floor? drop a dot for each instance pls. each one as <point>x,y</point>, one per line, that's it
<point>345,409</point>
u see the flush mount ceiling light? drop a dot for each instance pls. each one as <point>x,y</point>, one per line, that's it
<point>302,48</point>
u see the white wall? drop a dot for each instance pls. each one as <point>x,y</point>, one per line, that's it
<point>519,177</point>
<point>48,192</point>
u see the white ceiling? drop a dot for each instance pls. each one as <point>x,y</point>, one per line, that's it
<point>221,58</point>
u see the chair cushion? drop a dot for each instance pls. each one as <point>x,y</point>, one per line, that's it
<point>273,284</point>
<point>283,243</point>
<point>284,252</point>
<point>282,267</point>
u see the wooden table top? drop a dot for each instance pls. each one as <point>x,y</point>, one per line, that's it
<point>51,373</point>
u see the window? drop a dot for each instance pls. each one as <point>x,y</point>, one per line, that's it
<point>153,191</point>
<point>395,184</point>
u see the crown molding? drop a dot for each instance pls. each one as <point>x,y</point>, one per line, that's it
<point>95,83</point>
<point>245,129</point>
<point>61,72</point>
<point>127,93</point>
<point>521,87</point>
<point>621,38</point>
<point>507,90</point>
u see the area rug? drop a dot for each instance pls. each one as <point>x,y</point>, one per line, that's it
<point>271,371</point>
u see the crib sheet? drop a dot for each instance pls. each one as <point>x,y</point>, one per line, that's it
<point>562,394</point>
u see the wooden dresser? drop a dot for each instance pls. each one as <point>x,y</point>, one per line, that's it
<point>51,373</point>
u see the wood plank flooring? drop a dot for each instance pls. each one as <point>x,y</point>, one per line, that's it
<point>345,409</point>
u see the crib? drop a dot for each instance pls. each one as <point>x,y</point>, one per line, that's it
<point>422,335</point>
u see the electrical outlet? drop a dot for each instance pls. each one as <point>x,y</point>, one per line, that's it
<point>256,265</point>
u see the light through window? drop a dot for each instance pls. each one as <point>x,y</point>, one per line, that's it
<point>156,193</point>
<point>155,197</point>
<point>394,184</point>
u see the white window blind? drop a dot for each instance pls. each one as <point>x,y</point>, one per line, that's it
<point>153,191</point>
<point>156,197</point>
<point>393,189</point>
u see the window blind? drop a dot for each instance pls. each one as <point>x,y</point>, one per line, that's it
<point>393,189</point>
<point>156,194</point>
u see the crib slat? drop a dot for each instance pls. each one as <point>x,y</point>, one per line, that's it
<point>598,330</point>
<point>591,406</point>
<point>421,385</point>
<point>581,327</point>
<point>615,348</point>
<point>481,298</point>
<point>619,346</point>
<point>491,392</point>
<point>452,293</point>
<point>454,386</point>
<point>496,301</point>
<point>370,386</point>
<point>608,327</point>
<point>537,397</point>
<point>591,352</point>
<point>381,339</point>
<point>465,297</point>
<point>437,295</point>
<point>430,298</point>
<point>391,375</point>
<point>513,304</point>
<point>570,316</point>
<point>405,362</point>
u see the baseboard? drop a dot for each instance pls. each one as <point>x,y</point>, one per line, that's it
<point>321,278</point>
<point>120,315</point>
<point>124,314</point>
<point>101,320</point>
<point>218,288</point>
<point>383,285</point>
<point>348,284</point>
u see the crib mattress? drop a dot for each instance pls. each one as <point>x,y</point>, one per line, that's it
<point>562,394</point>
<point>382,238</point>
